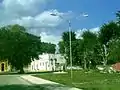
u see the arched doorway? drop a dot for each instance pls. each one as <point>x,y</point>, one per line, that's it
<point>2,67</point>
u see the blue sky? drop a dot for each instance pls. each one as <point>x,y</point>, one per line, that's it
<point>99,11</point>
<point>35,15</point>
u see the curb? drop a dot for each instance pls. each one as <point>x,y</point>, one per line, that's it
<point>31,82</point>
<point>24,77</point>
<point>27,80</point>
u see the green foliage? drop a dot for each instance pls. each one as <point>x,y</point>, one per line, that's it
<point>65,36</point>
<point>79,46</point>
<point>65,44</point>
<point>18,46</point>
<point>118,17</point>
<point>89,43</point>
<point>109,31</point>
<point>61,47</point>
<point>94,49</point>
<point>48,48</point>
<point>114,51</point>
<point>89,39</point>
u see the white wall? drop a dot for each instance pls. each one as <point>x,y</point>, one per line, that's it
<point>42,64</point>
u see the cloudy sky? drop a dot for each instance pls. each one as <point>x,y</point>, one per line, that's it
<point>35,15</point>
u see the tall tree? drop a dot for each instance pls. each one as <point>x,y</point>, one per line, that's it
<point>18,46</point>
<point>107,33</point>
<point>66,43</point>
<point>61,47</point>
<point>118,17</point>
<point>114,56</point>
<point>48,48</point>
<point>89,42</point>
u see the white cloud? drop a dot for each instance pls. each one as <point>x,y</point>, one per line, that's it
<point>50,38</point>
<point>31,13</point>
<point>18,9</point>
<point>46,19</point>
<point>42,20</point>
<point>95,30</point>
<point>23,7</point>
<point>80,31</point>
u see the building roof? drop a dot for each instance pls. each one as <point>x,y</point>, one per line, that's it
<point>58,57</point>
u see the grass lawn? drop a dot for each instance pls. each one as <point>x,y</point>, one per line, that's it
<point>86,81</point>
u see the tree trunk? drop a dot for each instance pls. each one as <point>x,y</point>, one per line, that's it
<point>89,65</point>
<point>21,70</point>
<point>105,56</point>
<point>85,66</point>
<point>104,62</point>
<point>85,63</point>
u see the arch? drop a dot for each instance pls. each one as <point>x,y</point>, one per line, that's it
<point>2,67</point>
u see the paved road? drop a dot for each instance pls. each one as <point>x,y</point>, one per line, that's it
<point>15,82</point>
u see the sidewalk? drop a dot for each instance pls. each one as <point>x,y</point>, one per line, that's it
<point>48,85</point>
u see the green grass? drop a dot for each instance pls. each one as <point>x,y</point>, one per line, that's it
<point>86,81</point>
<point>21,87</point>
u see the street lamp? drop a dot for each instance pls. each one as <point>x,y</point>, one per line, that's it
<point>70,38</point>
<point>69,24</point>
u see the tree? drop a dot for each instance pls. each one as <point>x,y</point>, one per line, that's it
<point>114,43</point>
<point>81,48</point>
<point>89,42</point>
<point>108,32</point>
<point>66,43</point>
<point>48,48</point>
<point>94,49</point>
<point>78,52</point>
<point>114,56</point>
<point>118,17</point>
<point>62,47</point>
<point>18,46</point>
<point>66,38</point>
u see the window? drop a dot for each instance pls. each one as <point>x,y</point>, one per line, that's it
<point>55,60</point>
<point>32,67</point>
<point>37,67</point>
<point>51,62</point>
<point>40,63</point>
<point>43,63</point>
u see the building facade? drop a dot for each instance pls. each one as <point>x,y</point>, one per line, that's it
<point>48,62</point>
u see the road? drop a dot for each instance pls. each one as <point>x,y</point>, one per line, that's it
<point>15,82</point>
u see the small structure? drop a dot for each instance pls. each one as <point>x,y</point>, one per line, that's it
<point>116,66</point>
<point>48,62</point>
<point>60,64</point>
<point>4,66</point>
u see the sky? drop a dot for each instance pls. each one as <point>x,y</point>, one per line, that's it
<point>36,16</point>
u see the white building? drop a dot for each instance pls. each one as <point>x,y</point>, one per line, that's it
<point>48,62</point>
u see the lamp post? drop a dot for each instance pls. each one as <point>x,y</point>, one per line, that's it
<point>70,38</point>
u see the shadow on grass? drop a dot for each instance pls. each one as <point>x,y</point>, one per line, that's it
<point>34,87</point>
<point>16,73</point>
<point>21,87</point>
<point>45,87</point>
<point>101,88</point>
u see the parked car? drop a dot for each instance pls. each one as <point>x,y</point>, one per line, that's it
<point>74,68</point>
